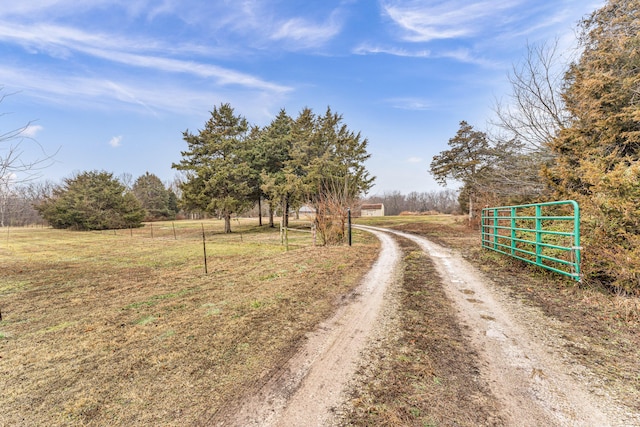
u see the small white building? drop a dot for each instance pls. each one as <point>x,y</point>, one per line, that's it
<point>373,209</point>
<point>307,212</point>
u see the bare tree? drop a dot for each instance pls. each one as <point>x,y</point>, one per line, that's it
<point>535,112</point>
<point>15,167</point>
<point>20,202</point>
<point>334,198</point>
<point>442,201</point>
<point>126,179</point>
<point>526,123</point>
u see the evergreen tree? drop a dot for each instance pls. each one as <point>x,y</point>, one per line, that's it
<point>275,147</point>
<point>92,201</point>
<point>342,156</point>
<point>218,174</point>
<point>255,157</point>
<point>326,151</point>
<point>469,157</point>
<point>327,169</point>
<point>154,197</point>
<point>598,154</point>
<point>172,204</point>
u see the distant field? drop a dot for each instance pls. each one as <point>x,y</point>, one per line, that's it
<point>122,328</point>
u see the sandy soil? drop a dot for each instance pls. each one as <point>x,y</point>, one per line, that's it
<point>523,366</point>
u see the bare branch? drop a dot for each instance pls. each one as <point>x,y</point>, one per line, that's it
<point>15,167</point>
<point>534,112</point>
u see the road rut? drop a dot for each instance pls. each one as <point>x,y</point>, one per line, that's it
<point>530,380</point>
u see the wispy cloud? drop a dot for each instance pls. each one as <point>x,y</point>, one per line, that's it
<point>470,57</point>
<point>366,49</point>
<point>306,33</point>
<point>415,104</point>
<point>223,76</point>
<point>135,94</point>
<point>422,21</point>
<point>56,40</point>
<point>116,141</point>
<point>414,160</point>
<point>463,55</point>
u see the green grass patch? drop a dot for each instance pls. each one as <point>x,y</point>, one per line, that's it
<point>274,275</point>
<point>145,320</point>
<point>8,286</point>
<point>156,299</point>
<point>167,334</point>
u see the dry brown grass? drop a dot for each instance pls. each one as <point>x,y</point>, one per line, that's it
<point>122,329</point>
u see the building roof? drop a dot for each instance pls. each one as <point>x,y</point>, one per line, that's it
<point>372,206</point>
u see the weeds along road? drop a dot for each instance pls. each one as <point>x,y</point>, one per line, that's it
<point>532,384</point>
<point>530,381</point>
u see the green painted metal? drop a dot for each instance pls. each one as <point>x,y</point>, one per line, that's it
<point>543,234</point>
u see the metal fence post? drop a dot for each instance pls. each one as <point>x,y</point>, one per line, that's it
<point>496,222</point>
<point>349,222</point>
<point>513,230</point>
<point>538,234</point>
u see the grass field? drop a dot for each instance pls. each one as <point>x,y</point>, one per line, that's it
<point>122,328</point>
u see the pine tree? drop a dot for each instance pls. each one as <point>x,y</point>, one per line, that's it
<point>328,166</point>
<point>154,197</point>
<point>218,175</point>
<point>466,161</point>
<point>92,201</point>
<point>275,148</point>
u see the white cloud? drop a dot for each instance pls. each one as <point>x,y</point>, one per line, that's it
<point>135,94</point>
<point>468,56</point>
<point>365,49</point>
<point>425,21</point>
<point>460,55</point>
<point>414,160</point>
<point>116,141</point>
<point>60,41</point>
<point>31,131</point>
<point>306,33</point>
<point>222,75</point>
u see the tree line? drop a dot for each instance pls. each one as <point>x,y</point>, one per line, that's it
<point>75,202</point>
<point>568,131</point>
<point>229,166</point>
<point>396,203</point>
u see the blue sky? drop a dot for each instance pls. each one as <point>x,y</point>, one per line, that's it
<point>112,84</point>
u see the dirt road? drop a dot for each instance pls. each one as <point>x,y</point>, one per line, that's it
<point>532,381</point>
<point>308,387</point>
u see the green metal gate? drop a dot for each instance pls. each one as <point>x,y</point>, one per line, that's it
<point>544,234</point>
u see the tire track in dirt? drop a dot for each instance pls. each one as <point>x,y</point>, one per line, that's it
<point>531,382</point>
<point>308,387</point>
